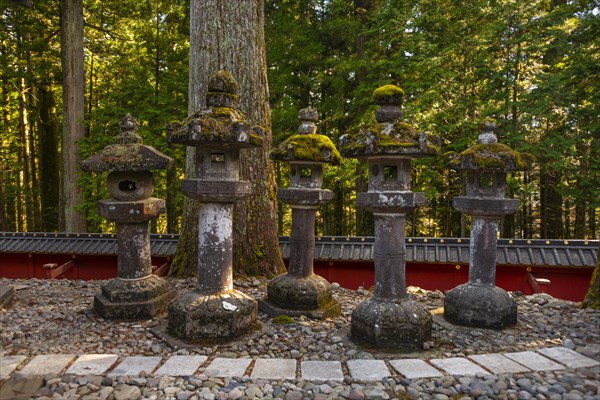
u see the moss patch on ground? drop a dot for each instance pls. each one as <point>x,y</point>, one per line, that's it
<point>283,320</point>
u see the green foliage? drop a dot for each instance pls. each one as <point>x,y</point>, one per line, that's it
<point>530,65</point>
<point>136,62</point>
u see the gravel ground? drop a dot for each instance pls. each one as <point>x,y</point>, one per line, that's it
<point>56,317</point>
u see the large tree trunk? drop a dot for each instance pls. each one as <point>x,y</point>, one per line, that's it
<point>365,224</point>
<point>551,206</point>
<point>7,212</point>
<point>229,35</point>
<point>592,298</point>
<point>25,196</point>
<point>71,46</point>
<point>49,164</point>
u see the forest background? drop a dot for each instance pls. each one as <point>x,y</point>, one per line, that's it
<point>533,65</point>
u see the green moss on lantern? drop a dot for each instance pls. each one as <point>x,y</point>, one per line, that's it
<point>224,112</point>
<point>494,156</point>
<point>397,138</point>
<point>387,91</point>
<point>222,81</point>
<point>309,147</point>
<point>216,124</point>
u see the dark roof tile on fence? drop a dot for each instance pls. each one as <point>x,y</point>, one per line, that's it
<point>559,253</point>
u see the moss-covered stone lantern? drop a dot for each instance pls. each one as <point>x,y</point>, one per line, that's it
<point>389,319</point>
<point>136,293</point>
<point>300,291</point>
<point>214,309</point>
<point>479,303</point>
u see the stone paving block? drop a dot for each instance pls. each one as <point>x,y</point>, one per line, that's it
<point>7,295</point>
<point>92,364</point>
<point>499,364</point>
<point>458,366</point>
<point>274,368</point>
<point>570,358</point>
<point>227,367</point>
<point>322,371</point>
<point>415,368</point>
<point>534,361</point>
<point>21,387</point>
<point>368,370</point>
<point>8,364</point>
<point>134,365</point>
<point>48,364</point>
<point>181,365</point>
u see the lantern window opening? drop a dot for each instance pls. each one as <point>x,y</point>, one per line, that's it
<point>127,186</point>
<point>486,181</point>
<point>390,173</point>
<point>305,172</point>
<point>217,158</point>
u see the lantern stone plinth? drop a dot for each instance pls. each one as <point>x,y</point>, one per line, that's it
<point>479,303</point>
<point>136,293</point>
<point>389,320</point>
<point>215,309</point>
<point>300,291</point>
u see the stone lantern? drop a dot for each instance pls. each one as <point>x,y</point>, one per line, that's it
<point>389,319</point>
<point>214,309</point>
<point>479,303</point>
<point>136,293</point>
<point>300,291</point>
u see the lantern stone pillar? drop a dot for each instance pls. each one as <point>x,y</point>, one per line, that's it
<point>136,293</point>
<point>389,319</point>
<point>215,309</point>
<point>479,303</point>
<point>300,291</point>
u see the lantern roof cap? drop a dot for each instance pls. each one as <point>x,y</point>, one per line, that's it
<point>389,134</point>
<point>220,124</point>
<point>307,145</point>
<point>128,153</point>
<point>489,155</point>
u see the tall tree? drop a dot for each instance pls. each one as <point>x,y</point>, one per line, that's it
<point>230,36</point>
<point>49,173</point>
<point>71,30</point>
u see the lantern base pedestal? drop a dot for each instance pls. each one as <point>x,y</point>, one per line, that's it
<point>133,299</point>
<point>480,306</point>
<point>401,325</point>
<point>221,315</point>
<point>307,295</point>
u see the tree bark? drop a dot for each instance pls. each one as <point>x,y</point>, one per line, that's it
<point>230,36</point>
<point>365,224</point>
<point>49,156</point>
<point>71,46</point>
<point>25,215</point>
<point>551,206</point>
<point>6,216</point>
<point>592,297</point>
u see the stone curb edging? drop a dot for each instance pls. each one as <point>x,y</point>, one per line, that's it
<point>361,370</point>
